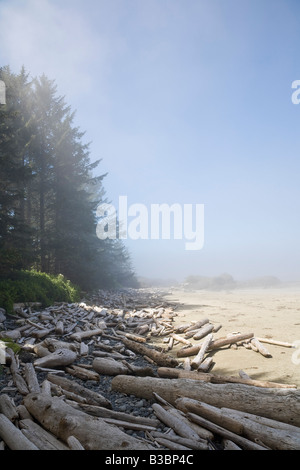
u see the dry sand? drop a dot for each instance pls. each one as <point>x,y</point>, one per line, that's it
<point>268,313</point>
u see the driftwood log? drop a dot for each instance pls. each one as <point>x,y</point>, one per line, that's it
<point>170,373</point>
<point>64,421</point>
<point>270,434</point>
<point>160,358</point>
<point>59,358</point>
<point>216,344</point>
<point>13,437</point>
<point>92,398</point>
<point>268,402</point>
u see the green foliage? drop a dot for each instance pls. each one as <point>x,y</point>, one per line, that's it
<point>9,343</point>
<point>33,286</point>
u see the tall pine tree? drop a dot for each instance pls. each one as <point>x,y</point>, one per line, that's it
<point>49,194</point>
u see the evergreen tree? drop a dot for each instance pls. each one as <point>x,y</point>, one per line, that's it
<point>15,133</point>
<point>48,193</point>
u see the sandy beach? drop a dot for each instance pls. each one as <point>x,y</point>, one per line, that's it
<point>268,313</point>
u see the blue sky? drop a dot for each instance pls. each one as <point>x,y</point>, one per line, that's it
<point>185,101</point>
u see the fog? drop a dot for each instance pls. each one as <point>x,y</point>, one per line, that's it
<point>187,105</point>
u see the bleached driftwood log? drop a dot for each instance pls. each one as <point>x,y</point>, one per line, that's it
<point>41,438</point>
<point>59,358</point>
<point>280,404</point>
<point>200,356</point>
<point>17,377</point>
<point>64,421</point>
<point>160,358</point>
<point>8,407</point>
<point>82,372</point>
<point>178,425</point>
<point>31,378</point>
<point>260,348</point>
<point>170,373</point>
<point>163,438</point>
<point>74,443</point>
<point>79,335</point>
<point>218,343</point>
<point>203,331</point>
<point>109,366</point>
<point>92,397</point>
<point>13,437</point>
<point>225,433</point>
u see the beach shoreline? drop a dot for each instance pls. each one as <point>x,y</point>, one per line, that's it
<point>272,313</point>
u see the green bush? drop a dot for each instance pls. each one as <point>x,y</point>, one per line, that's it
<point>33,286</point>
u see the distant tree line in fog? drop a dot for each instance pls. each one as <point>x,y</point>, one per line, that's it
<point>226,281</point>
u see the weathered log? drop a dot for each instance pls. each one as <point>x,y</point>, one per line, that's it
<point>8,407</point>
<point>178,425</point>
<point>173,373</point>
<point>189,443</point>
<point>199,430</point>
<point>211,413</point>
<point>39,334</point>
<point>280,404</point>
<point>31,378</point>
<point>11,334</point>
<point>272,423</point>
<point>41,438</point>
<point>216,429</point>
<point>17,378</point>
<point>180,339</point>
<point>92,397</point>
<point>58,391</point>
<point>141,371</point>
<point>160,358</point>
<point>284,344</point>
<point>205,330</point>
<point>82,373</point>
<point>217,378</point>
<point>200,356</point>
<point>59,328</point>
<point>197,325</point>
<point>274,437</point>
<point>129,424</point>
<point>218,343</point>
<point>101,412</point>
<point>93,433</point>
<point>231,339</point>
<point>79,335</point>
<point>13,437</point>
<point>132,337</point>
<point>59,358</point>
<point>260,348</point>
<point>74,443</point>
<point>108,366</point>
<point>206,364</point>
<point>52,344</point>
<point>229,445</point>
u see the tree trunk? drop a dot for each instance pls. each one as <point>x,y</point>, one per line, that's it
<point>64,421</point>
<point>280,404</point>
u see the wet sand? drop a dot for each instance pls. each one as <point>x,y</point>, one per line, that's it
<point>268,313</point>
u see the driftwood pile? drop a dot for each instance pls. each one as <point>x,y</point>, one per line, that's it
<point>130,337</point>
